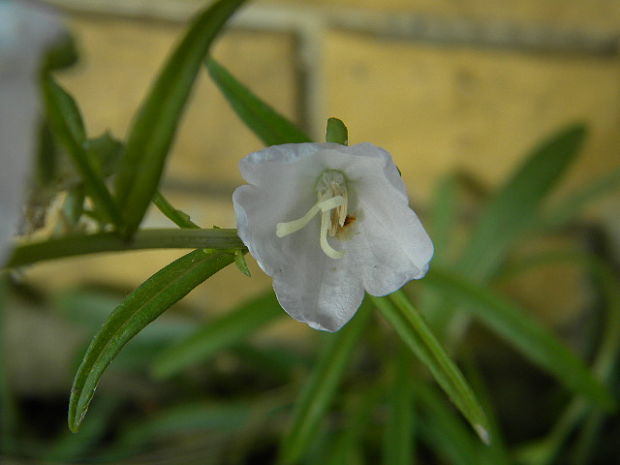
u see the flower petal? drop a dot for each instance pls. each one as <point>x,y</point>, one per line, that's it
<point>390,241</point>
<point>25,31</point>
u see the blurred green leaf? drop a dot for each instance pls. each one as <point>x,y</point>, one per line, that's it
<point>346,442</point>
<point>414,332</point>
<point>399,432</point>
<point>63,113</point>
<point>67,125</point>
<point>141,307</point>
<point>46,156</point>
<point>444,432</point>
<point>545,451</point>
<point>444,217</point>
<point>574,203</point>
<point>514,206</point>
<point>320,388</point>
<point>218,334</point>
<point>70,447</point>
<point>336,132</point>
<point>270,127</point>
<point>8,405</point>
<point>522,332</point>
<point>61,55</point>
<point>106,151</point>
<point>156,123</point>
<point>184,418</point>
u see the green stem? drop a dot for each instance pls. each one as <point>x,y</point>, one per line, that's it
<point>82,244</point>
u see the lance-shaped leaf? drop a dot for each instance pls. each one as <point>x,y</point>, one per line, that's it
<point>513,209</point>
<point>522,332</point>
<point>156,123</point>
<point>67,126</point>
<point>268,125</point>
<point>142,306</point>
<point>414,332</point>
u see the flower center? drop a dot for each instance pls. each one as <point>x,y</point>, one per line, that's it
<point>332,202</point>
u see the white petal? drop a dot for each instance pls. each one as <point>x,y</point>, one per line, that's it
<point>25,32</point>
<point>316,289</point>
<point>389,239</point>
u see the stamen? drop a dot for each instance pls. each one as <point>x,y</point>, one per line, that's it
<point>284,229</point>
<point>325,226</point>
<point>332,202</point>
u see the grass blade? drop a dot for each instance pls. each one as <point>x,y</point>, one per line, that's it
<point>268,125</point>
<point>142,306</point>
<point>66,124</point>
<point>522,332</point>
<point>217,335</point>
<point>155,125</point>
<point>414,332</point>
<point>319,390</point>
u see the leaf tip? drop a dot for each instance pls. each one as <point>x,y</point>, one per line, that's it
<point>483,434</point>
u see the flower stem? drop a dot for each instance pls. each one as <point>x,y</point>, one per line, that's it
<point>83,244</point>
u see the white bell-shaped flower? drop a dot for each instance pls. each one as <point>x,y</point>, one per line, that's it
<point>328,222</point>
<point>26,30</point>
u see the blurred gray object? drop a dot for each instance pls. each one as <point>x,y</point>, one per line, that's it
<point>26,31</point>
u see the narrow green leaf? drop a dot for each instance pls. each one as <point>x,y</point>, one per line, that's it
<point>544,452</point>
<point>62,111</point>
<point>514,207</point>
<point>217,335</point>
<point>66,124</point>
<point>8,405</point>
<point>268,125</point>
<point>336,132</point>
<point>414,332</point>
<point>398,437</point>
<point>61,55</point>
<point>320,389</point>
<point>444,431</point>
<point>522,332</point>
<point>185,418</point>
<point>444,217</point>
<point>241,263</point>
<point>141,307</point>
<point>156,123</point>
<point>574,203</point>
<point>178,217</point>
<point>106,151</point>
